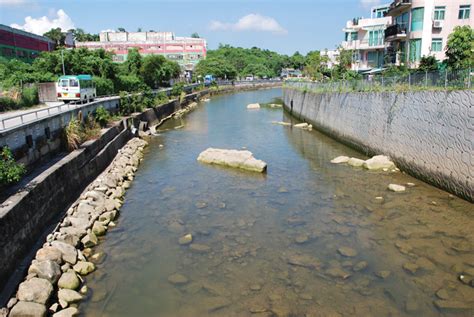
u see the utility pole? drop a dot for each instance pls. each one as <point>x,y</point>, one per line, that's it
<point>62,59</point>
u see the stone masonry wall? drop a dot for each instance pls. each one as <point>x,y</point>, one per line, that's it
<point>429,134</point>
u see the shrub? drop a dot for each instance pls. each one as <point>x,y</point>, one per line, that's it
<point>102,116</point>
<point>72,134</point>
<point>10,171</point>
<point>177,89</point>
<point>7,103</point>
<point>90,130</point>
<point>161,98</point>
<point>104,86</point>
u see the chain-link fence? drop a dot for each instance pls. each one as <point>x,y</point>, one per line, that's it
<point>445,79</point>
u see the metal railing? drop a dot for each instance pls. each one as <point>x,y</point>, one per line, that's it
<point>446,79</point>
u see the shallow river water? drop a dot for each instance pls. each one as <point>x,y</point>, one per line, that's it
<point>308,238</point>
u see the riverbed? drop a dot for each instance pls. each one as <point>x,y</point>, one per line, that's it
<point>306,238</point>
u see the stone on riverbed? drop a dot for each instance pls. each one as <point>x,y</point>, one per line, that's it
<point>281,123</point>
<point>340,159</point>
<point>23,308</point>
<point>69,253</point>
<point>48,270</point>
<point>303,125</point>
<point>355,162</point>
<point>346,251</point>
<point>379,162</point>
<point>36,290</point>
<point>200,248</point>
<point>396,188</point>
<point>84,268</point>
<point>178,279</point>
<point>89,240</point>
<point>69,280</point>
<point>69,296</point>
<point>68,312</point>
<point>186,239</point>
<point>49,253</point>
<point>232,158</point>
<point>98,228</point>
<point>253,106</point>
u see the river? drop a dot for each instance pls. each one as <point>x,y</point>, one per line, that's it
<point>308,238</point>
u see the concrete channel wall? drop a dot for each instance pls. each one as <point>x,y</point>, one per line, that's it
<point>429,134</point>
<point>26,215</point>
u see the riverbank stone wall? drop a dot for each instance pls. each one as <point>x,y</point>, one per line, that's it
<point>429,134</point>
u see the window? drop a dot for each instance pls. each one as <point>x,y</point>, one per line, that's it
<point>64,83</point>
<point>439,13</point>
<point>73,83</point>
<point>415,50</point>
<point>464,12</point>
<point>436,45</point>
<point>402,20</point>
<point>376,37</point>
<point>417,19</point>
<point>351,36</point>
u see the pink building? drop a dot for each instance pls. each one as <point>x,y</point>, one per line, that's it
<point>421,28</point>
<point>186,51</point>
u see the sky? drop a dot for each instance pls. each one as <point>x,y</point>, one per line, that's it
<point>282,26</point>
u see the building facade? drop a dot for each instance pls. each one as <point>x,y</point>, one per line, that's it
<point>421,28</point>
<point>186,51</point>
<point>366,38</point>
<point>25,46</point>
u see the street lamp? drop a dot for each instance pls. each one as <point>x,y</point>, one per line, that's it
<point>62,58</point>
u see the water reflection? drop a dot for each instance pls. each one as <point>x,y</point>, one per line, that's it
<point>307,239</point>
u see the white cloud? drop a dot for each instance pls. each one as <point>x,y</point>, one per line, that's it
<point>370,3</point>
<point>250,22</point>
<point>12,2</point>
<point>44,24</point>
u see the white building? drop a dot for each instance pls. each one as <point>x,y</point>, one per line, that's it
<point>421,28</point>
<point>366,38</point>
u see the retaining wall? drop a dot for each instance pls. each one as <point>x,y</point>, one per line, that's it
<point>429,134</point>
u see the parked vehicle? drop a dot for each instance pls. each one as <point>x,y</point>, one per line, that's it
<point>208,80</point>
<point>76,88</point>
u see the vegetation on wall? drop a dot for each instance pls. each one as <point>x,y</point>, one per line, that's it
<point>10,171</point>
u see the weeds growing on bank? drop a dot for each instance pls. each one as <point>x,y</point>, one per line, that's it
<point>78,131</point>
<point>10,171</point>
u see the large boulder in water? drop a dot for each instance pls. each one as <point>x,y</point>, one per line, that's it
<point>253,106</point>
<point>232,158</point>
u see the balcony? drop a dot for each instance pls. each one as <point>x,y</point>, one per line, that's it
<point>396,32</point>
<point>398,6</point>
<point>363,44</point>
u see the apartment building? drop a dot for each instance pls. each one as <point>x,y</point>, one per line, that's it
<point>366,38</point>
<point>186,51</point>
<point>421,28</point>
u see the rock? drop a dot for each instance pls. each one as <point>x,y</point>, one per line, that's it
<point>410,267</point>
<point>304,261</point>
<point>68,312</point>
<point>452,305</point>
<point>362,265</point>
<point>199,248</point>
<point>84,290</point>
<point>232,158</point>
<point>107,217</point>
<point>178,279</point>
<point>54,308</point>
<point>49,253</point>
<point>346,251</point>
<point>411,184</point>
<point>69,280</point>
<point>98,257</point>
<point>303,125</point>
<point>69,296</point>
<point>301,238</point>
<point>36,290</point>
<point>28,309</point>
<point>253,106</point>
<point>186,239</point>
<point>383,274</point>
<point>355,162</point>
<point>84,268</point>
<point>305,296</point>
<point>12,302</point>
<point>442,294</point>
<point>337,272</point>
<point>48,270</point>
<point>89,240</point>
<point>98,228</point>
<point>378,162</point>
<point>84,210</point>
<point>69,253</point>
<point>215,303</point>
<point>396,188</point>
<point>79,223</point>
<point>340,159</point>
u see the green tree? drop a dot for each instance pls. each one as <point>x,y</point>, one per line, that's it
<point>56,35</point>
<point>428,63</point>
<point>121,30</point>
<point>297,60</point>
<point>218,67</point>
<point>195,35</point>
<point>133,63</point>
<point>156,70</point>
<point>315,66</point>
<point>460,48</point>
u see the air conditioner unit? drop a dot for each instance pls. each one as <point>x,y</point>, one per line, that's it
<point>438,24</point>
